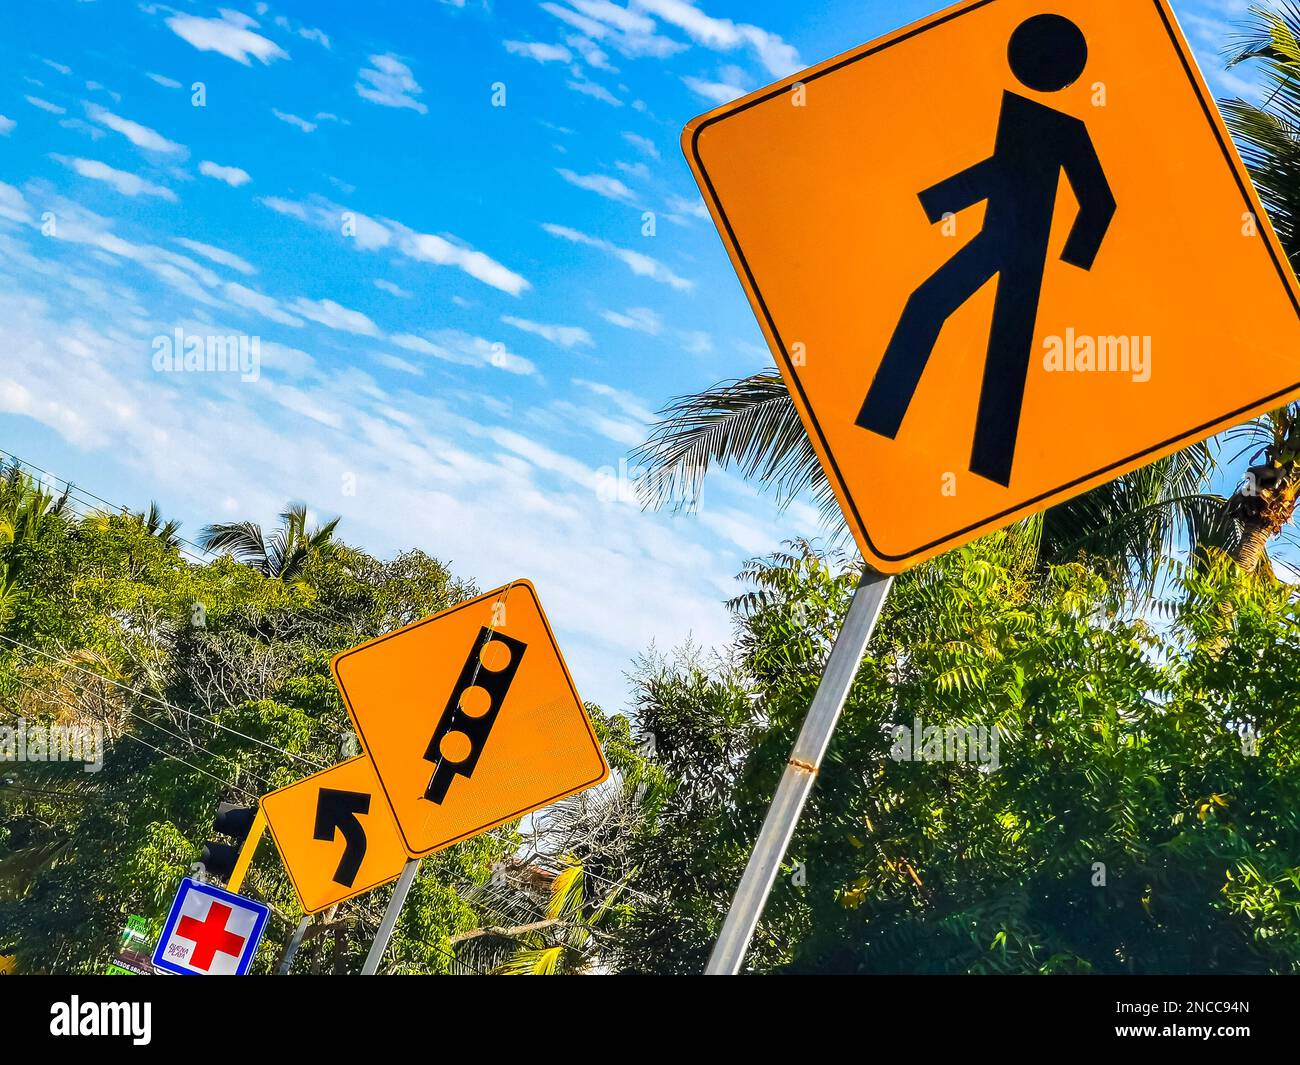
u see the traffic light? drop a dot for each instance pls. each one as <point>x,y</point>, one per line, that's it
<point>236,822</point>
<point>472,708</point>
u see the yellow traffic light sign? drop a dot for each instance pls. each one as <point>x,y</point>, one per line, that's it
<point>471,718</point>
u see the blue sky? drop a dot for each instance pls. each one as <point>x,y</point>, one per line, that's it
<point>464,323</point>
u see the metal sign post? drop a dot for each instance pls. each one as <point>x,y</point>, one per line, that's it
<point>799,776</point>
<point>286,963</point>
<point>386,926</point>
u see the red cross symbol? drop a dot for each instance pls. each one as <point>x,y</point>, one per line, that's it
<point>210,936</point>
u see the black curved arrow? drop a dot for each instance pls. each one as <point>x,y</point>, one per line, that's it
<point>336,811</point>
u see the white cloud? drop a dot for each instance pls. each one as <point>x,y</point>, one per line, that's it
<point>592,54</point>
<point>335,316</point>
<point>231,175</point>
<point>45,105</point>
<point>623,19</point>
<point>365,232</point>
<point>439,475</point>
<point>370,234</point>
<point>121,181</point>
<point>389,82</point>
<point>392,362</point>
<point>268,307</point>
<point>141,136</point>
<point>429,248</point>
<point>6,126</point>
<point>629,31</point>
<point>608,187</point>
<point>164,81</point>
<point>292,362</point>
<point>308,33</point>
<point>294,120</point>
<point>597,92</point>
<point>694,208</point>
<point>283,206</point>
<point>392,289</point>
<point>13,205</point>
<point>179,272</point>
<point>542,53</point>
<point>543,457</point>
<point>565,336</point>
<point>453,345</point>
<point>231,35</point>
<point>217,255</point>
<point>626,402</point>
<point>639,319</point>
<point>718,92</point>
<point>697,342</point>
<point>94,86</point>
<point>643,144</point>
<point>780,58</point>
<point>640,264</point>
<point>636,170</point>
<point>418,344</point>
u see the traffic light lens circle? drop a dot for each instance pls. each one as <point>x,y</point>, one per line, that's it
<point>455,747</point>
<point>475,701</point>
<point>495,656</point>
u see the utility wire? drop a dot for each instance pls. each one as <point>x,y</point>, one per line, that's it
<point>5,789</point>
<point>219,780</point>
<point>173,757</point>
<point>164,703</point>
<point>72,490</point>
<point>204,556</point>
<point>177,736</point>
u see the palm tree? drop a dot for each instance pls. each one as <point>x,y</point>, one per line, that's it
<point>288,551</point>
<point>25,506</point>
<point>165,531</point>
<point>751,425</point>
<point>1268,136</point>
<point>26,512</point>
<point>546,923</point>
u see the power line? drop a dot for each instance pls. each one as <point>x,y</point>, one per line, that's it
<point>167,754</point>
<point>175,758</point>
<point>5,789</point>
<point>72,491</point>
<point>204,556</point>
<point>164,703</point>
<point>177,736</point>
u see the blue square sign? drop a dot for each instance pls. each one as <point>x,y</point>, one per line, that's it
<point>209,932</point>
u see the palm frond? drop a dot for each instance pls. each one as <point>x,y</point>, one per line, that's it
<point>242,540</point>
<point>750,425</point>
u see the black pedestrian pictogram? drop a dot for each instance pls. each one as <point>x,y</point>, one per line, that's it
<point>1019,181</point>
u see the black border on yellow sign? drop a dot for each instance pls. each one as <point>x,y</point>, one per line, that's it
<point>867,51</point>
<point>495,821</point>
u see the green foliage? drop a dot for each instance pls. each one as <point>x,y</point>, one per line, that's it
<point>211,682</point>
<point>1123,754</point>
<point>1141,815</point>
